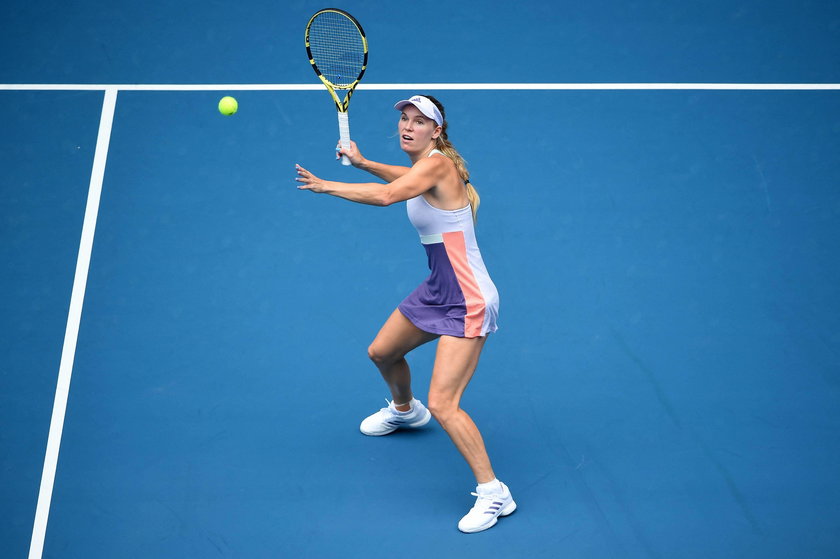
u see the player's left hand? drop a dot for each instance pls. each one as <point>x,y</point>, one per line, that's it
<point>309,181</point>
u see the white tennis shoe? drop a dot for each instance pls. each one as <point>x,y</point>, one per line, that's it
<point>387,420</point>
<point>487,510</point>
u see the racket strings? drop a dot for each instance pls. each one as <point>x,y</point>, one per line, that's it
<point>337,48</point>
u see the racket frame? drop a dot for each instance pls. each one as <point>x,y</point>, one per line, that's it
<point>341,106</point>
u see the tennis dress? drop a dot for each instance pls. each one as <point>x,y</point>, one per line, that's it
<point>458,298</point>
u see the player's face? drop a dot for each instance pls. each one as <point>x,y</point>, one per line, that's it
<point>416,130</point>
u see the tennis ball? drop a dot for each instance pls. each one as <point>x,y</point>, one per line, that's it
<point>228,105</point>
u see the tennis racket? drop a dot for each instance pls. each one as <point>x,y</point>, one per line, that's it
<point>338,51</point>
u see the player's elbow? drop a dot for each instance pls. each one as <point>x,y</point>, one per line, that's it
<point>386,198</point>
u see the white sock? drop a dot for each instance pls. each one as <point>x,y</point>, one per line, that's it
<point>410,407</point>
<point>490,488</point>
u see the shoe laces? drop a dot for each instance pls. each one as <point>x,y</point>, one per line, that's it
<point>388,407</point>
<point>388,411</point>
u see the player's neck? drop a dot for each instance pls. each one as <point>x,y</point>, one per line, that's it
<point>422,154</point>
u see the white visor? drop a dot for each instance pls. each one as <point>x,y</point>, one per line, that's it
<point>424,105</point>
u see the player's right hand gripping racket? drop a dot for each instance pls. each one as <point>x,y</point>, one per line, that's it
<point>338,52</point>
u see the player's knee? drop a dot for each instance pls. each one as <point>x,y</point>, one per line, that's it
<point>442,408</point>
<point>377,355</point>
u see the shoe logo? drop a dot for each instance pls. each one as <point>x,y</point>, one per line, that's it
<point>494,508</point>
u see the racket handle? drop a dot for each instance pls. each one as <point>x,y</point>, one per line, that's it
<point>344,135</point>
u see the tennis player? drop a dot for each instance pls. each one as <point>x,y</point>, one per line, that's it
<point>457,304</point>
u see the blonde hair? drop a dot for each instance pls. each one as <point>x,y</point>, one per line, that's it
<point>443,144</point>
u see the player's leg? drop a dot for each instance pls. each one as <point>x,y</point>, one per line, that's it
<point>395,339</point>
<point>455,363</point>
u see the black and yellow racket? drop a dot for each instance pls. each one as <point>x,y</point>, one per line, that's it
<point>338,52</point>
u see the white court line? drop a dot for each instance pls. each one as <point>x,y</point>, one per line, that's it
<point>606,86</point>
<point>71,334</point>
<point>431,86</point>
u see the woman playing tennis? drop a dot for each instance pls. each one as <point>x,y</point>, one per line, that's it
<point>457,304</point>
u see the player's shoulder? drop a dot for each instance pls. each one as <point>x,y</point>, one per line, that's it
<point>434,163</point>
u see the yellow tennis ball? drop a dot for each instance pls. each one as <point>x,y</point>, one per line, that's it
<point>228,105</point>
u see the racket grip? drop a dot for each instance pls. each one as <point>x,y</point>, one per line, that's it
<point>344,135</point>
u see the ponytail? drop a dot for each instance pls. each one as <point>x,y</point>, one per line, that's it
<point>444,145</point>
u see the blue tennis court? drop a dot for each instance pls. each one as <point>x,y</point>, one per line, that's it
<point>666,377</point>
